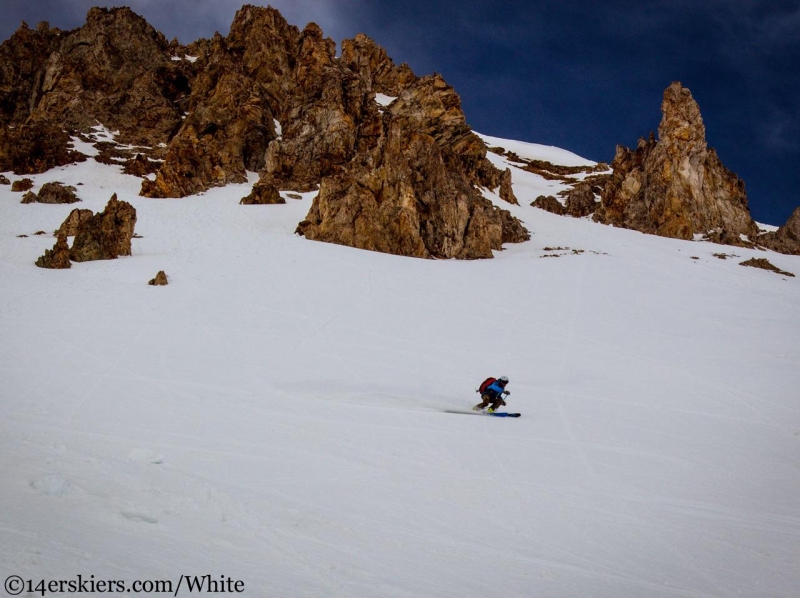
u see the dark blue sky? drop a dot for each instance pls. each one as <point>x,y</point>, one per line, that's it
<point>584,76</point>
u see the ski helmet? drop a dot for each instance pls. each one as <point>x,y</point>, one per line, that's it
<point>503,379</point>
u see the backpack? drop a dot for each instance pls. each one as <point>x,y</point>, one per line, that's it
<point>486,384</point>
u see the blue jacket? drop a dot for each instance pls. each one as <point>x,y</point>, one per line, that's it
<point>494,390</point>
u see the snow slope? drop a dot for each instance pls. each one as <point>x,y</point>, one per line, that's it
<point>276,414</point>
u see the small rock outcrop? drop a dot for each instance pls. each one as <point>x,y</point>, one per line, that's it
<point>160,280</point>
<point>57,257</point>
<point>72,224</point>
<point>4,180</point>
<point>549,204</point>
<point>787,238</point>
<point>57,193</point>
<point>675,186</point>
<point>765,264</point>
<point>21,185</point>
<point>263,193</point>
<point>106,235</point>
<point>29,197</point>
<point>581,201</point>
<point>506,190</point>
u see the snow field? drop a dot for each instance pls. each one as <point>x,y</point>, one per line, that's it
<point>275,414</point>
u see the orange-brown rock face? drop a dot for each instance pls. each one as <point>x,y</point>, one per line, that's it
<point>379,73</point>
<point>327,111</point>
<point>787,238</point>
<point>268,98</point>
<point>106,235</point>
<point>234,101</point>
<point>115,70</point>
<point>676,186</point>
<point>56,258</point>
<point>71,225</point>
<point>409,197</point>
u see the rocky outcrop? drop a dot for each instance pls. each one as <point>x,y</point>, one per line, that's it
<point>675,186</point>
<point>506,190</point>
<point>56,258</point>
<point>549,204</point>
<point>57,193</point>
<point>72,224</point>
<point>432,107</point>
<point>141,166</point>
<point>786,239</point>
<point>160,280</point>
<point>35,147</point>
<point>106,235</point>
<point>22,185</point>
<point>29,197</point>
<point>4,180</point>
<point>581,201</point>
<point>765,264</point>
<point>367,59</point>
<point>115,70</point>
<point>269,98</point>
<point>263,193</point>
<point>234,102</point>
<point>408,197</point>
<point>330,117</point>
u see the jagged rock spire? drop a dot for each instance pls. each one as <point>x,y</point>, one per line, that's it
<point>676,186</point>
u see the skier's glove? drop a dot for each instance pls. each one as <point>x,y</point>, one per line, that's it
<point>506,392</point>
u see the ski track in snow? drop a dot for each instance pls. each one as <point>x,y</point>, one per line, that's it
<point>275,414</point>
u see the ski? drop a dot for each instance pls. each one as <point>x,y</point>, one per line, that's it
<point>495,414</point>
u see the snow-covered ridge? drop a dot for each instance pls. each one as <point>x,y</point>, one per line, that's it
<point>535,151</point>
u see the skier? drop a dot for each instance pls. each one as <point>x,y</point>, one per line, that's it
<point>492,396</point>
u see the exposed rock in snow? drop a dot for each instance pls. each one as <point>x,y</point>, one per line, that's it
<point>765,264</point>
<point>787,238</point>
<point>160,280</point>
<point>57,257</point>
<point>71,225</point>
<point>106,235</point>
<point>581,200</point>
<point>405,198</point>
<point>506,190</point>
<point>549,203</point>
<point>56,193</point>
<point>22,185</point>
<point>263,192</point>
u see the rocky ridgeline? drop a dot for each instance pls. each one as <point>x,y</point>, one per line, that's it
<point>270,98</point>
<point>395,163</point>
